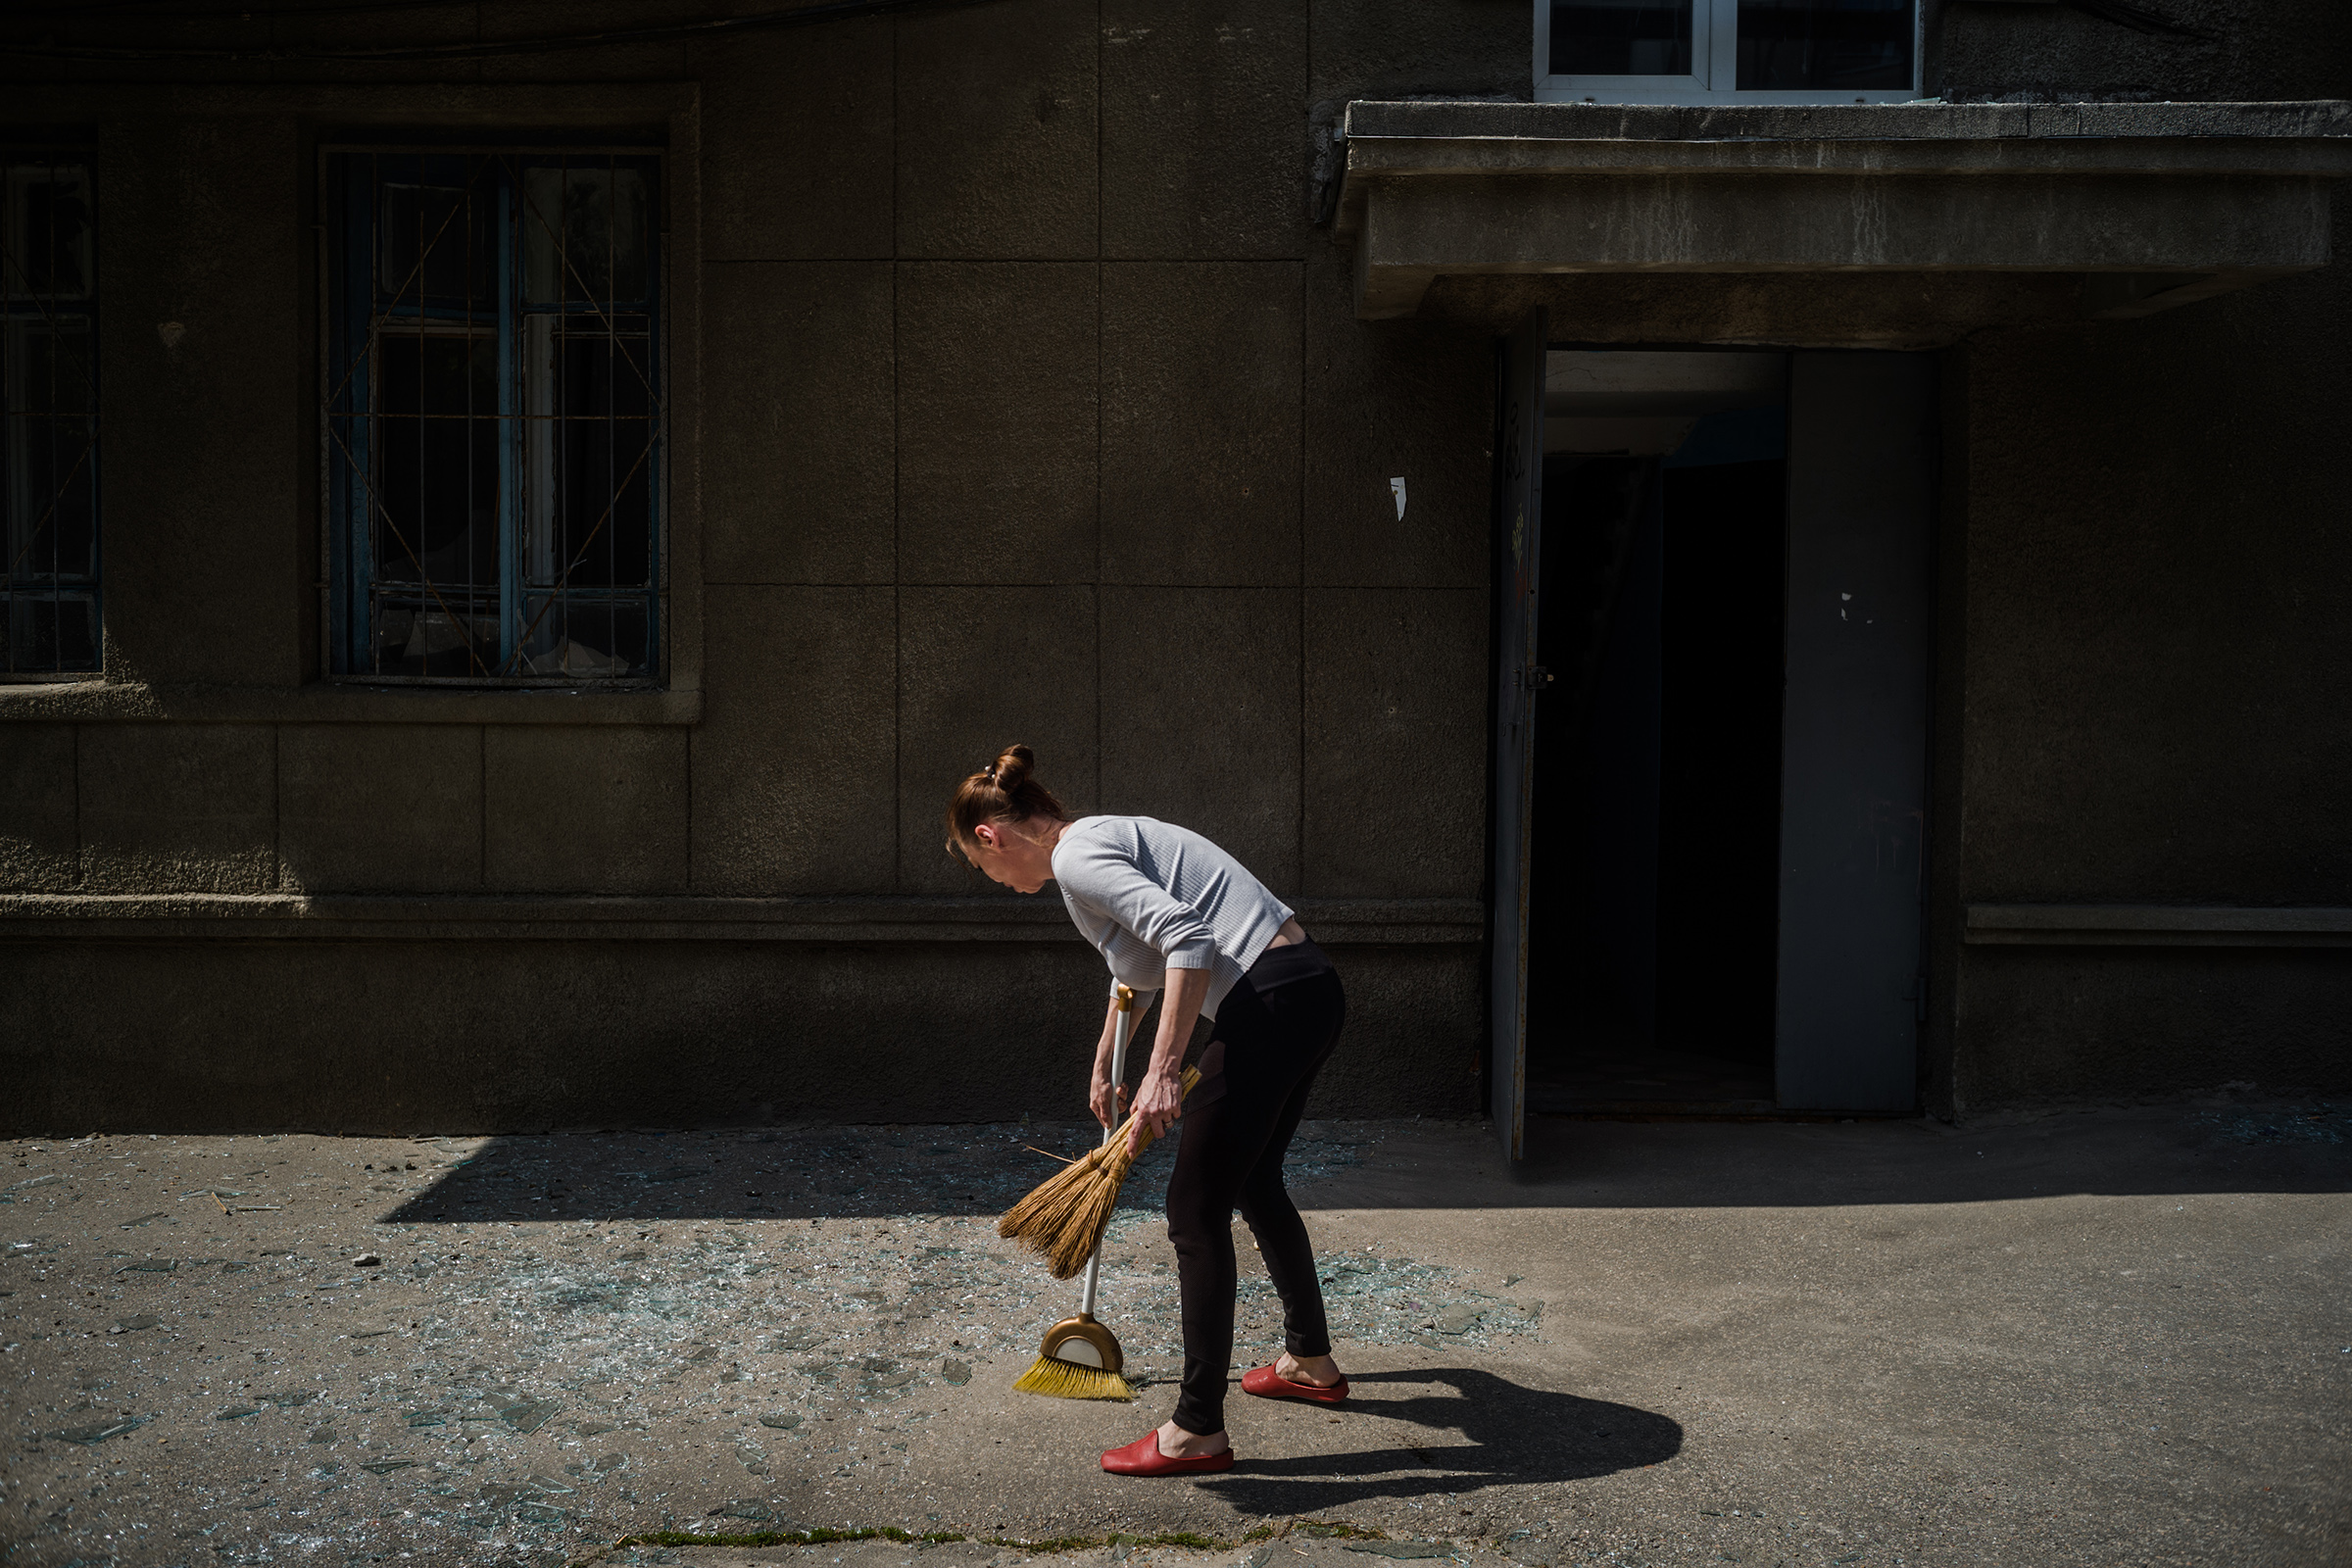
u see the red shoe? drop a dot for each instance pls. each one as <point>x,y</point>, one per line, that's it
<point>1142,1457</point>
<point>1268,1384</point>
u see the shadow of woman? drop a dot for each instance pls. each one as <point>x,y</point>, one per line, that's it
<point>1510,1436</point>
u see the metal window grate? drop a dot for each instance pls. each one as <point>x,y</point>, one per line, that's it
<point>49,599</point>
<point>493,417</point>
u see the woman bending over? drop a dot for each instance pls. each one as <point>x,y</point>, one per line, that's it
<point>1168,910</point>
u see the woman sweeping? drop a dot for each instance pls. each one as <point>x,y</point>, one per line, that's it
<point>1168,910</point>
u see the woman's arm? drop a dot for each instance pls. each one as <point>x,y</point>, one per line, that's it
<point>1159,1101</point>
<point>1108,1097</point>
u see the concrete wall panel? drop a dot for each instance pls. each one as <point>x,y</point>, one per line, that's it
<point>2250,50</point>
<point>1204,129</point>
<point>584,810</point>
<point>980,669</point>
<point>380,808</point>
<point>1415,1026</point>
<point>1407,48</point>
<point>327,31</point>
<point>649,60</point>
<point>202,463</point>
<point>2103,1024</point>
<point>484,1037</point>
<point>997,131</point>
<point>796,128</point>
<point>999,414</point>
<point>1201,716</point>
<point>795,762</point>
<point>1200,423</point>
<point>1396,687</point>
<point>797,464</point>
<point>37,809</point>
<point>178,807</point>
<point>1395,400</point>
<point>2158,680</point>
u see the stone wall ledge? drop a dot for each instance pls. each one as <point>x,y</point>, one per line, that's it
<point>340,703</point>
<point>2289,134</point>
<point>2158,925</point>
<point>2140,207</point>
<point>350,917</point>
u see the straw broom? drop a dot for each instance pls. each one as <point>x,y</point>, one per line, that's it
<point>1065,1218</point>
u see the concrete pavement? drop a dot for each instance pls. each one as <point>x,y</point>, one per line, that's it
<point>2115,1337</point>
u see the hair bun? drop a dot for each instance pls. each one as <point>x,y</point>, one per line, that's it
<point>1007,790</point>
<point>1012,767</point>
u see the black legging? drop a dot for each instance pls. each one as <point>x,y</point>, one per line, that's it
<point>1274,1031</point>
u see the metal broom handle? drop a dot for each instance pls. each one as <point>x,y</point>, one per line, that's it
<point>1119,1035</point>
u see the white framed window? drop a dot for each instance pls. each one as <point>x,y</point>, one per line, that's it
<point>1720,51</point>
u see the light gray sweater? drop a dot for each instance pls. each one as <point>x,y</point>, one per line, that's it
<point>1154,897</point>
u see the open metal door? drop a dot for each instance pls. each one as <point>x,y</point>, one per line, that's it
<point>1519,450</point>
<point>1854,732</point>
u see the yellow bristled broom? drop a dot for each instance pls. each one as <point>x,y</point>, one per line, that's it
<point>1062,1221</point>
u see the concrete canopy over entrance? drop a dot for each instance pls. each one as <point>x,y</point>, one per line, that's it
<point>1882,225</point>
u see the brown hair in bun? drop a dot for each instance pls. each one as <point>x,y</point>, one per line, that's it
<point>1005,791</point>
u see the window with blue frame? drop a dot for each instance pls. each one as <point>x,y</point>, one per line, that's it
<point>49,605</point>
<point>1713,51</point>
<point>493,416</point>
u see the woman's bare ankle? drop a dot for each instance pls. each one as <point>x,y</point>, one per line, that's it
<point>1315,1371</point>
<point>1175,1443</point>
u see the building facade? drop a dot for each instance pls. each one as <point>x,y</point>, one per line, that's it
<point>519,517</point>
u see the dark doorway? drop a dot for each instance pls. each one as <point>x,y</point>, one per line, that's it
<point>1653,903</point>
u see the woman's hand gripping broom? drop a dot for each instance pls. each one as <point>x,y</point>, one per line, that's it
<point>1063,1221</point>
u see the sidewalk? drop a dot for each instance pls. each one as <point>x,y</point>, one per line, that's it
<point>2117,1337</point>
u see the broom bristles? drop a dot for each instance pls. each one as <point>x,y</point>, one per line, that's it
<point>1063,1219</point>
<point>1058,1379</point>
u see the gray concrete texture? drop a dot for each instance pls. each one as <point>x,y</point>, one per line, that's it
<point>206,455</point>
<point>1202,418</point>
<point>2224,51</point>
<point>769,99</point>
<point>1201,154</point>
<point>40,845</point>
<point>182,806</point>
<point>2044,1024</point>
<point>2089,1339</point>
<point>802,381</point>
<point>2146,513</point>
<point>998,446</point>
<point>997,133</point>
<point>795,761</point>
<point>1903,310</point>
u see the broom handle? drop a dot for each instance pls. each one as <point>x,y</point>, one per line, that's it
<point>1119,1035</point>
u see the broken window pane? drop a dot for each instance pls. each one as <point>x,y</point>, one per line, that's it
<point>585,236</point>
<point>1621,37</point>
<point>583,637</point>
<point>452,634</point>
<point>1825,45</point>
<point>438,247</point>
<point>44,631</point>
<point>479,448</point>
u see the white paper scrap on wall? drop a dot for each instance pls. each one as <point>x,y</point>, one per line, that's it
<point>1397,486</point>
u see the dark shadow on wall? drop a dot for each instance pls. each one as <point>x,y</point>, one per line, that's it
<point>1508,1434</point>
